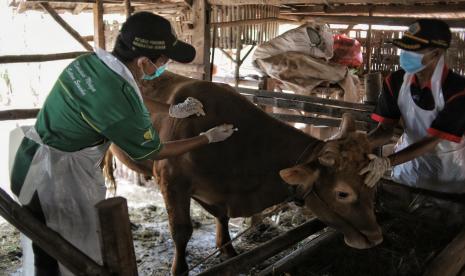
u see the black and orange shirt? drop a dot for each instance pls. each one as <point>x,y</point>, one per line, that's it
<point>449,123</point>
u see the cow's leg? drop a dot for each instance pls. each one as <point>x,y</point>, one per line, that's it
<point>222,230</point>
<point>175,192</point>
<point>222,237</point>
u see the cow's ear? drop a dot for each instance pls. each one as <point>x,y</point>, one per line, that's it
<point>300,175</point>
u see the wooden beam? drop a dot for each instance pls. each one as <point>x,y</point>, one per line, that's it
<point>116,237</point>
<point>50,241</point>
<point>99,28</point>
<point>451,260</point>
<point>172,9</point>
<point>65,26</point>
<point>160,3</point>
<point>201,39</point>
<point>302,254</point>
<point>376,20</point>
<point>193,68</point>
<point>303,98</point>
<point>378,9</point>
<point>308,2</point>
<point>39,58</point>
<point>251,22</point>
<point>319,121</point>
<point>243,262</point>
<point>18,114</point>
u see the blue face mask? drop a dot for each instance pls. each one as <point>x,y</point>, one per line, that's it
<point>156,74</point>
<point>411,61</point>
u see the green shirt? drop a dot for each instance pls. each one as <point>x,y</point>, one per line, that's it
<point>91,103</point>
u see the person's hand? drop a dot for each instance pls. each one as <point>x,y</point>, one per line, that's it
<point>375,169</point>
<point>187,108</point>
<point>219,133</point>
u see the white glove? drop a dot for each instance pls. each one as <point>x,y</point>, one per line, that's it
<point>219,133</point>
<point>375,169</point>
<point>187,108</point>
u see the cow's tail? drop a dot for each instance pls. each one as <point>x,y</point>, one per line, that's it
<point>109,169</point>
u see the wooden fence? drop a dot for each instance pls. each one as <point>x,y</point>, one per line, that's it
<point>384,55</point>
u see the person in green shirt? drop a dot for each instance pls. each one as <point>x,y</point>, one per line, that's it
<point>96,100</point>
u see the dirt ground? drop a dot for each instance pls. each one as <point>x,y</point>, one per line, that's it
<point>410,240</point>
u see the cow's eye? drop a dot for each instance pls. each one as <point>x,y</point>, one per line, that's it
<point>342,195</point>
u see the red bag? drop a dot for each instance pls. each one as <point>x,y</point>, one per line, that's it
<point>347,51</point>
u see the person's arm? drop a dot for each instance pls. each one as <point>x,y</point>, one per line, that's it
<point>379,164</point>
<point>381,135</point>
<point>179,147</point>
<point>415,150</point>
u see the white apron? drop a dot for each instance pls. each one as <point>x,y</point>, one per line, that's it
<point>68,184</point>
<point>442,170</point>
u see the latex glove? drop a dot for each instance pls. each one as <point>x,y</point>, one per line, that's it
<point>219,133</point>
<point>187,108</point>
<point>375,169</point>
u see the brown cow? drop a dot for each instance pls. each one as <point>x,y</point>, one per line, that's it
<point>244,175</point>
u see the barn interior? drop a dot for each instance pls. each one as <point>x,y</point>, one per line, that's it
<point>424,232</point>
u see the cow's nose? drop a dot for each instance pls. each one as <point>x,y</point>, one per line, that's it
<point>374,237</point>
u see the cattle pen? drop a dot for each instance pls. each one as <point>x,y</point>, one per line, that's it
<point>225,34</point>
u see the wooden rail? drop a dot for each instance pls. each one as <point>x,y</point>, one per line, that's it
<point>324,112</point>
<point>50,241</point>
<point>245,261</point>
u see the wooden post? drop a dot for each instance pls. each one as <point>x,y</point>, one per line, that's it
<point>238,56</point>
<point>39,58</point>
<point>116,237</point>
<point>368,47</point>
<point>65,26</point>
<point>248,259</point>
<point>300,255</point>
<point>99,28</point>
<point>127,8</point>
<point>451,260</point>
<point>201,39</point>
<point>47,239</point>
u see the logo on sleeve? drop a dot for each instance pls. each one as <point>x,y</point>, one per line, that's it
<point>148,135</point>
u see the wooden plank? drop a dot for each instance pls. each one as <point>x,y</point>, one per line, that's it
<point>65,26</point>
<point>47,239</point>
<point>375,20</point>
<point>116,237</point>
<point>303,98</point>
<point>243,262</point>
<point>99,28</point>
<point>302,254</point>
<point>251,21</point>
<point>451,260</point>
<point>39,58</point>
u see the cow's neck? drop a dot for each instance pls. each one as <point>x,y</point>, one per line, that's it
<point>293,146</point>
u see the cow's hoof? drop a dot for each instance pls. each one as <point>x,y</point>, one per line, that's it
<point>227,255</point>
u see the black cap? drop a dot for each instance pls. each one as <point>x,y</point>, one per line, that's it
<point>151,35</point>
<point>425,33</point>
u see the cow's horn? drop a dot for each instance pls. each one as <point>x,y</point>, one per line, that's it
<point>347,126</point>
